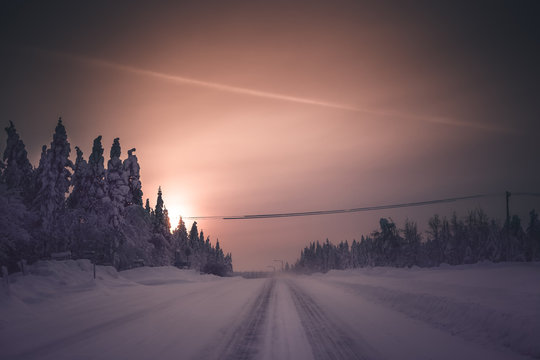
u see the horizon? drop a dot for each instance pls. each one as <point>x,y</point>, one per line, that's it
<point>253,108</point>
<point>521,203</point>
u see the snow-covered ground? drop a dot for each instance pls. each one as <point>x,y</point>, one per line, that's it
<point>484,311</point>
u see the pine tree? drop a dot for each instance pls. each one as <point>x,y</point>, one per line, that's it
<point>18,171</point>
<point>180,238</point>
<point>53,181</point>
<point>132,171</point>
<point>181,232</point>
<point>166,220</point>
<point>15,221</point>
<point>147,207</point>
<point>97,187</point>
<point>412,242</point>
<point>117,185</point>
<point>516,240</point>
<point>193,242</point>
<point>159,216</point>
<point>79,181</point>
<point>533,237</point>
<point>435,248</point>
<point>201,240</point>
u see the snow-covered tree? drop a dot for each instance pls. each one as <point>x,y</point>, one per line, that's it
<point>15,221</point>
<point>193,235</point>
<point>79,181</point>
<point>158,211</point>
<point>117,184</point>
<point>53,181</point>
<point>147,207</point>
<point>103,216</point>
<point>18,172</point>
<point>98,190</point>
<point>132,171</point>
<point>162,222</point>
<point>181,232</point>
<point>411,244</point>
<point>166,220</point>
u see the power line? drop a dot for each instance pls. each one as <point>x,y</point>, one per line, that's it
<point>353,210</point>
<point>525,194</point>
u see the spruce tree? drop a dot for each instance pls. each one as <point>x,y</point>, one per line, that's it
<point>132,171</point>
<point>181,232</point>
<point>533,237</point>
<point>147,207</point>
<point>97,188</point>
<point>166,220</point>
<point>193,236</point>
<point>79,181</point>
<point>118,188</point>
<point>18,171</point>
<point>158,211</point>
<point>53,181</point>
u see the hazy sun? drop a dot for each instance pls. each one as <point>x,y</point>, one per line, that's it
<point>177,210</point>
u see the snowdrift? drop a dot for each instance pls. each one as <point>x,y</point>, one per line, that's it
<point>49,279</point>
<point>486,303</point>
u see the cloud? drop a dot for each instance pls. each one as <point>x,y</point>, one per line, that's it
<point>270,95</point>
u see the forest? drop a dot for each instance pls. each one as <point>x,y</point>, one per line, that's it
<point>474,238</point>
<point>86,210</point>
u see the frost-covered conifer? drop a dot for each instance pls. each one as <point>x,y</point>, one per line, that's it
<point>147,207</point>
<point>15,239</point>
<point>180,235</point>
<point>132,170</point>
<point>158,211</point>
<point>117,185</point>
<point>18,170</point>
<point>193,235</point>
<point>53,181</point>
<point>166,220</point>
<point>162,223</point>
<point>79,195</point>
<point>97,190</point>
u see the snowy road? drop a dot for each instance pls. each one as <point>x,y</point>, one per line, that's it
<point>145,316</point>
<point>327,339</point>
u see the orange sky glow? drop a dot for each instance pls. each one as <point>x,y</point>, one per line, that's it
<point>262,107</point>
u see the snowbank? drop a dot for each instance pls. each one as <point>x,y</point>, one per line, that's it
<point>58,311</point>
<point>164,275</point>
<point>50,279</point>
<point>487,303</point>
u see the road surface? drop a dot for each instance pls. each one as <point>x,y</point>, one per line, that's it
<point>275,318</point>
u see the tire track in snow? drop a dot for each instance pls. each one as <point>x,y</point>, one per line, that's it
<point>244,340</point>
<point>328,341</point>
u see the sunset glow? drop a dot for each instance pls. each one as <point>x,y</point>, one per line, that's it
<point>253,107</point>
<point>357,179</point>
<point>177,210</point>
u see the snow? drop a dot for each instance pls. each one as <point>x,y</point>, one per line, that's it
<point>487,303</point>
<point>58,311</point>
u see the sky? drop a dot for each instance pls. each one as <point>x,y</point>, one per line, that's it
<point>252,107</point>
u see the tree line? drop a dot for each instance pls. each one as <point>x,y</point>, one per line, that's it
<point>91,210</point>
<point>474,238</point>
